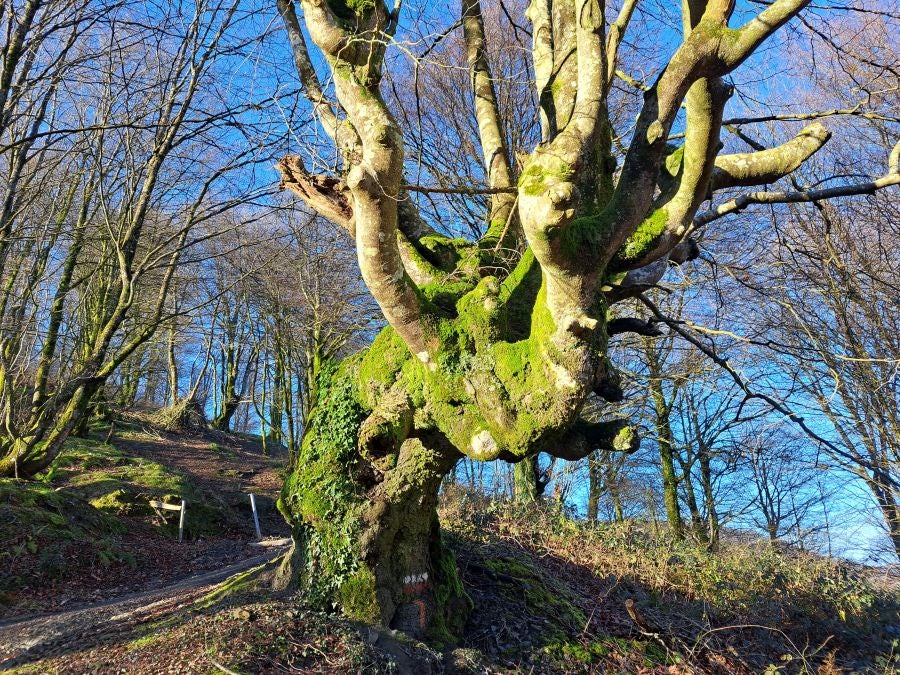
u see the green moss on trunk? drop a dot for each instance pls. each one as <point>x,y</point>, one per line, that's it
<point>366,533</point>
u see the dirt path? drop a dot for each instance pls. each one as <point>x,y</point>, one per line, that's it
<point>24,640</point>
<point>228,465</point>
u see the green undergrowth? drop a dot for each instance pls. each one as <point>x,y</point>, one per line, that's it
<point>320,491</point>
<point>38,527</point>
<point>73,517</point>
<point>749,603</point>
<point>549,596</point>
<point>122,485</point>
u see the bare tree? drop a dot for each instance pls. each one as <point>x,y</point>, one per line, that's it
<point>482,359</point>
<point>118,132</point>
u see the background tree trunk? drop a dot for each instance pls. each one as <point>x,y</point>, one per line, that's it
<point>526,481</point>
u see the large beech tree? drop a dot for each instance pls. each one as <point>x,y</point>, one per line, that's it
<point>477,361</point>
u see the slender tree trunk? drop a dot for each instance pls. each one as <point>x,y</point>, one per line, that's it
<point>697,523</point>
<point>664,438</point>
<point>712,515</point>
<point>276,416</point>
<point>880,485</point>
<point>526,476</point>
<point>670,492</point>
<point>618,511</point>
<point>172,366</point>
<point>229,396</point>
<point>595,484</point>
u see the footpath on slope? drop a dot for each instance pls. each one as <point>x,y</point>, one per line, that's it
<point>85,532</point>
<point>25,640</point>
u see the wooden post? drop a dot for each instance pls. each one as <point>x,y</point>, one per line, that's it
<point>255,516</point>
<point>181,521</point>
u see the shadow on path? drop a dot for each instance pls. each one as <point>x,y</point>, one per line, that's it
<point>26,640</point>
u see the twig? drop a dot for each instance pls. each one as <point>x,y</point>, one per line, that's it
<point>639,620</point>
<point>222,668</point>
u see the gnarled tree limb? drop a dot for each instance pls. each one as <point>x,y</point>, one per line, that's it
<point>326,195</point>
<point>374,176</point>
<point>767,166</point>
<point>586,437</point>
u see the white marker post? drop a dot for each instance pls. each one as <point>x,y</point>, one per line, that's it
<point>255,516</point>
<point>181,521</point>
<point>159,507</point>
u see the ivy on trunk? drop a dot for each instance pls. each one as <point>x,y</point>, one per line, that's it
<point>482,359</point>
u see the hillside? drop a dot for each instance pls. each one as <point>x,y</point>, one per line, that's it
<point>550,595</point>
<point>86,530</point>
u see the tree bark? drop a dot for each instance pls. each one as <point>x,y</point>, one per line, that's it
<point>712,515</point>
<point>664,439</point>
<point>368,538</point>
<point>594,490</point>
<point>526,477</point>
<point>693,508</point>
<point>172,367</point>
<point>669,484</point>
<point>881,485</point>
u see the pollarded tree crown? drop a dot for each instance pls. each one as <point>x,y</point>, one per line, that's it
<point>500,359</point>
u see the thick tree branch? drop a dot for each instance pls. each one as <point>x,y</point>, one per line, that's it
<point>330,197</point>
<point>586,437</point>
<point>632,324</point>
<point>767,166</point>
<point>752,34</point>
<point>614,37</point>
<point>487,113</point>
<point>710,49</point>
<point>590,45</point>
<point>538,13</point>
<point>356,56</point>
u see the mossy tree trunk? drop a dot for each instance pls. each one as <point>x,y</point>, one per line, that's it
<point>482,358</point>
<point>363,505</point>
<point>230,354</point>
<point>662,407</point>
<point>595,489</point>
<point>527,484</point>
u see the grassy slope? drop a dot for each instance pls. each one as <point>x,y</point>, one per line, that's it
<point>87,521</point>
<point>552,595</point>
<point>742,609</point>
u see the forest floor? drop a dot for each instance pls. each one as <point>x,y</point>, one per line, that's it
<point>86,531</point>
<point>550,595</point>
